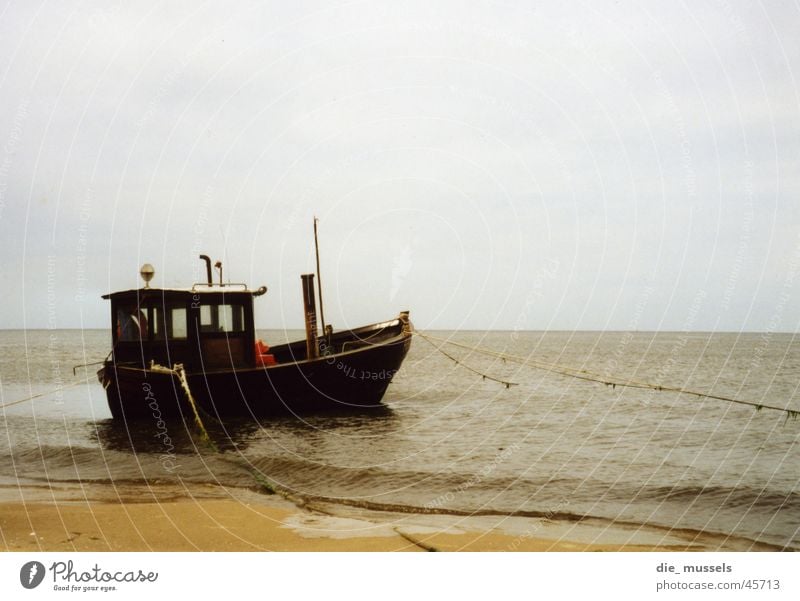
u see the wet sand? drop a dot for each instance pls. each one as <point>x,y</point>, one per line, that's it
<point>166,519</point>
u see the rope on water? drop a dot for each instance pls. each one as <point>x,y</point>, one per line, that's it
<point>612,381</point>
<point>41,394</point>
<point>465,366</point>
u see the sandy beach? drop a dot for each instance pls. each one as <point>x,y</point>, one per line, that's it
<point>204,519</point>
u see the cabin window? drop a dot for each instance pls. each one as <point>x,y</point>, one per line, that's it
<point>206,321</point>
<point>169,323</point>
<point>221,318</point>
<point>132,323</point>
<point>159,327</point>
<point>178,322</point>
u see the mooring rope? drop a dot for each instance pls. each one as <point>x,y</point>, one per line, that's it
<point>178,371</point>
<point>41,394</point>
<point>415,541</point>
<point>465,366</point>
<point>178,368</point>
<point>590,376</point>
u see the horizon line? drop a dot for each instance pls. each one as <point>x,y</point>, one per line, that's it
<point>592,330</point>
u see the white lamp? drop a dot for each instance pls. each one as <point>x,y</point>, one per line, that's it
<point>147,272</point>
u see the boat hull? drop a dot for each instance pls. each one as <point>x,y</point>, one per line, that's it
<point>352,380</point>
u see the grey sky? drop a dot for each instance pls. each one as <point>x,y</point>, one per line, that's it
<point>607,165</point>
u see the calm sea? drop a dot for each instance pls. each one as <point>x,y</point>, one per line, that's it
<point>450,442</point>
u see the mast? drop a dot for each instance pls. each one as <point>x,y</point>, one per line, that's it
<point>319,282</point>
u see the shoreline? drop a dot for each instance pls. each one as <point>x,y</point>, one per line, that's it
<point>164,517</point>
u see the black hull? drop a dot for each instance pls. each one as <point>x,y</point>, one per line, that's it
<point>355,379</point>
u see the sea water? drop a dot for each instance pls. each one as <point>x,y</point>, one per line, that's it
<point>450,442</point>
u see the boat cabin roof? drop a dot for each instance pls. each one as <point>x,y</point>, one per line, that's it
<point>228,290</point>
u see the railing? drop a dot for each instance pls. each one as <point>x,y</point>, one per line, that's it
<point>201,285</point>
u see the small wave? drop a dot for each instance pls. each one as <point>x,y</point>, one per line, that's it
<point>422,510</point>
<point>689,534</point>
<point>300,473</point>
<point>93,465</point>
<point>738,496</point>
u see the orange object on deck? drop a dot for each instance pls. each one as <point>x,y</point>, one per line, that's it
<point>263,357</point>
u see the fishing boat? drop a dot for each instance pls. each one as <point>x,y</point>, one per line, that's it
<point>179,351</point>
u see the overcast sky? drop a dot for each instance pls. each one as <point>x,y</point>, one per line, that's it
<point>499,165</point>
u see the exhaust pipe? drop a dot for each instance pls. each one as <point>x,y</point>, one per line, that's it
<point>310,309</point>
<point>207,259</point>
<point>218,265</point>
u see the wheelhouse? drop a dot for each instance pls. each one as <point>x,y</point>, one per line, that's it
<point>206,327</point>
